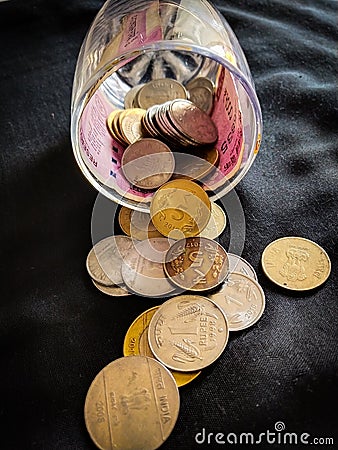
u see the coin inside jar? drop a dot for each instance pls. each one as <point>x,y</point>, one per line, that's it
<point>159,91</point>
<point>147,163</point>
<point>196,263</point>
<point>132,403</point>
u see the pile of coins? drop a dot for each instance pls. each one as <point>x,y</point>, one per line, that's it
<point>168,252</point>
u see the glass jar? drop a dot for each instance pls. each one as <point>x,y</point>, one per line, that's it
<point>131,43</point>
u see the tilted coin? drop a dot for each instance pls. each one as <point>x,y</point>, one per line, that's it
<point>129,98</point>
<point>130,124</point>
<point>105,259</point>
<point>216,224</point>
<point>196,263</point>
<point>192,122</point>
<point>132,404</point>
<point>195,167</point>
<point>242,299</point>
<point>188,332</point>
<point>112,291</point>
<point>200,82</point>
<point>137,224</point>
<point>239,264</point>
<point>112,126</point>
<point>143,273</point>
<point>180,208</point>
<point>136,343</point>
<point>159,91</point>
<point>202,97</point>
<point>296,263</point>
<point>147,163</point>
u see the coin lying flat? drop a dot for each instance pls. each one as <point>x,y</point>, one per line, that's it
<point>132,404</point>
<point>296,263</point>
<point>112,291</point>
<point>105,259</point>
<point>196,263</point>
<point>188,332</point>
<point>147,163</point>
<point>242,299</point>
<point>142,271</point>
<point>216,224</point>
<point>239,264</point>
<point>136,343</point>
<point>180,208</point>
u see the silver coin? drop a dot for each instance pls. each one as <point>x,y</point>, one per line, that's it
<point>142,269</point>
<point>240,265</point>
<point>113,291</point>
<point>105,259</point>
<point>242,300</point>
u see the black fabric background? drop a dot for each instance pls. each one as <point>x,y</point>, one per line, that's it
<point>57,331</point>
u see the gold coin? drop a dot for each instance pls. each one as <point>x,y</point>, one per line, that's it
<point>130,124</point>
<point>242,299</point>
<point>159,91</point>
<point>216,224</point>
<point>113,291</point>
<point>196,263</point>
<point>200,82</point>
<point>113,127</point>
<point>132,404</point>
<point>296,263</point>
<point>180,208</point>
<point>129,98</point>
<point>136,343</point>
<point>137,224</point>
<point>188,332</point>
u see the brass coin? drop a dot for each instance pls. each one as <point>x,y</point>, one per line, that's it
<point>113,291</point>
<point>240,265</point>
<point>188,332</point>
<point>137,224</point>
<point>159,91</point>
<point>136,343</point>
<point>142,268</point>
<point>242,299</point>
<point>196,264</point>
<point>216,224</point>
<point>112,126</point>
<point>130,124</point>
<point>180,208</point>
<point>105,259</point>
<point>129,98</point>
<point>296,263</point>
<point>132,404</point>
<point>147,163</point>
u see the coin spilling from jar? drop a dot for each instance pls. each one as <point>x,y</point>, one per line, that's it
<point>168,138</point>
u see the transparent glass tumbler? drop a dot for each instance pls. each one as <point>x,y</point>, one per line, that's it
<point>132,43</point>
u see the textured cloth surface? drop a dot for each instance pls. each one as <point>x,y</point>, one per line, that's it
<point>57,331</point>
